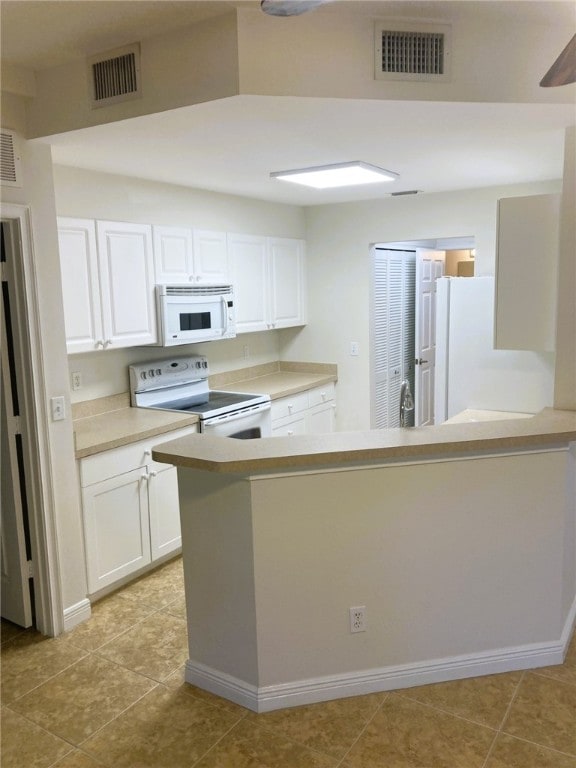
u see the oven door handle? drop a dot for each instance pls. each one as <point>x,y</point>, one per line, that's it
<point>227,417</point>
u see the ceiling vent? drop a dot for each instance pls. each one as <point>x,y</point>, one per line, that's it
<point>10,171</point>
<point>115,76</point>
<point>418,51</point>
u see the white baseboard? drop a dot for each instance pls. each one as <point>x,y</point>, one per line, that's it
<point>314,690</point>
<point>76,614</point>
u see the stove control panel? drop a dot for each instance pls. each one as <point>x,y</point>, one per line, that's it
<point>165,373</point>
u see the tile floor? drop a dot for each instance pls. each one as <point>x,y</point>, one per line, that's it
<point>111,693</point>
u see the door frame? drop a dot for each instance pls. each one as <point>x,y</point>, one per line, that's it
<point>49,616</point>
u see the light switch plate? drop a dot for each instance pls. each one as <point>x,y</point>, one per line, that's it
<point>57,408</point>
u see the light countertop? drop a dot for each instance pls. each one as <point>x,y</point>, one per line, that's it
<point>114,428</point>
<point>225,455</point>
<point>110,422</point>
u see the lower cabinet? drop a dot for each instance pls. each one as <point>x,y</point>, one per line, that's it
<point>305,413</point>
<point>130,510</point>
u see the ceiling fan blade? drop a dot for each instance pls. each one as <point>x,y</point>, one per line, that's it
<point>289,7</point>
<point>563,71</point>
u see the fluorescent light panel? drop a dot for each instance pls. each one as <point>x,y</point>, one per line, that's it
<point>337,175</point>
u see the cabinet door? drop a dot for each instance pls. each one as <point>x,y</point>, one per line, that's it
<point>80,284</point>
<point>211,257</point>
<point>116,530</point>
<point>526,272</point>
<point>287,282</point>
<point>165,536</point>
<point>127,280</point>
<point>173,259</point>
<point>250,268</point>
<point>321,419</point>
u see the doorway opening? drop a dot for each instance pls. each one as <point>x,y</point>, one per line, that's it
<point>403,322</point>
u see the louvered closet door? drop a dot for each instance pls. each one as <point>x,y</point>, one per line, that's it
<point>392,333</point>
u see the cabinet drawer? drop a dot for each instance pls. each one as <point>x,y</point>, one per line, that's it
<point>290,425</point>
<point>321,395</point>
<point>286,406</point>
<point>116,461</point>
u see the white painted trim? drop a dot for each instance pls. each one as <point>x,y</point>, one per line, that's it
<point>47,590</point>
<point>312,691</point>
<point>76,614</point>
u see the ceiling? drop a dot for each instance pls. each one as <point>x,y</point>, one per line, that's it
<point>232,145</point>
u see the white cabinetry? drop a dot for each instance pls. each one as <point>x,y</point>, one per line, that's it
<point>183,255</point>
<point>305,413</point>
<point>526,272</point>
<point>269,282</point>
<point>108,284</point>
<point>130,510</point>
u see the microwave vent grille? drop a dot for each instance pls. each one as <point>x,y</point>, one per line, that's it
<point>197,290</point>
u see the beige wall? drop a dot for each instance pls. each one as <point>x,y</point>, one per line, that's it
<point>495,58</point>
<point>59,484</point>
<point>565,391</point>
<point>339,239</point>
<point>195,64</point>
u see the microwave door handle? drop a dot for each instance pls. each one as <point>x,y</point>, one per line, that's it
<point>225,308</point>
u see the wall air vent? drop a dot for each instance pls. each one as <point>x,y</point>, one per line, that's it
<point>10,170</point>
<point>406,50</point>
<point>115,76</point>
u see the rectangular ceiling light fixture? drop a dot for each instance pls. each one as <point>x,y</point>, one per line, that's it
<point>337,175</point>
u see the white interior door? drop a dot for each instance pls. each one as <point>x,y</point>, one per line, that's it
<point>429,267</point>
<point>16,599</point>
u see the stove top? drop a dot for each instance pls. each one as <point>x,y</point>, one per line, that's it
<point>181,384</point>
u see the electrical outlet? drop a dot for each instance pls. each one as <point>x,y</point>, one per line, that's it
<point>354,349</point>
<point>358,618</point>
<point>76,380</point>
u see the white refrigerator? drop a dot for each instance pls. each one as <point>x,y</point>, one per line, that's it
<point>470,373</point>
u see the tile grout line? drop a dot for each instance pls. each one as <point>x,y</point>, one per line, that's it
<point>363,730</point>
<point>504,718</point>
<point>196,762</point>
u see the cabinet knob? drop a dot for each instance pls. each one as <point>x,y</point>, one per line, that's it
<point>290,406</point>
<point>147,453</point>
<point>99,343</point>
<point>107,342</point>
<point>290,432</point>
<point>153,473</point>
<point>144,476</point>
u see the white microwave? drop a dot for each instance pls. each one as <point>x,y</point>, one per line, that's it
<point>190,314</point>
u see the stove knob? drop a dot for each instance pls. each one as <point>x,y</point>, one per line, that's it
<point>198,364</point>
<point>205,364</point>
<point>151,372</point>
<point>158,372</point>
<point>143,375</point>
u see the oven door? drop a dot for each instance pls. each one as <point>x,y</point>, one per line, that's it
<point>246,424</point>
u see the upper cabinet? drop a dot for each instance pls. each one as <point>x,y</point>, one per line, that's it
<point>269,282</point>
<point>108,284</point>
<point>526,272</point>
<point>110,269</point>
<point>182,255</point>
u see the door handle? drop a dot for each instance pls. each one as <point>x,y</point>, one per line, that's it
<point>420,361</point>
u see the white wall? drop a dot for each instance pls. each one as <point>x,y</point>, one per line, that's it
<point>60,488</point>
<point>96,195</point>
<point>338,242</point>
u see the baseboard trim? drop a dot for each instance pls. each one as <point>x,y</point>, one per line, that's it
<point>76,614</point>
<point>268,698</point>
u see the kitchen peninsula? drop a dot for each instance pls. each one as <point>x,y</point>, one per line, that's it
<point>456,540</point>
